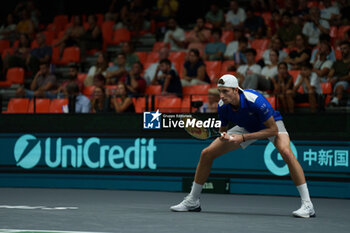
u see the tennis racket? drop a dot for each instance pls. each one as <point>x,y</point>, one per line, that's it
<point>201,133</point>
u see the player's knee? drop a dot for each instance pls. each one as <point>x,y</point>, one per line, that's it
<point>206,155</point>
<point>287,155</point>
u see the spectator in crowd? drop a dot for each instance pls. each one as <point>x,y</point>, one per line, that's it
<point>339,75</point>
<point>170,81</point>
<point>8,29</point>
<point>232,47</point>
<point>101,102</point>
<point>288,31</point>
<point>276,44</point>
<point>248,69</point>
<point>215,16</point>
<point>324,38</point>
<point>42,54</point>
<point>100,68</point>
<point>121,102</point>
<point>20,56</point>
<point>134,82</point>
<point>82,103</point>
<point>282,83</point>
<point>194,71</point>
<point>99,80</point>
<point>275,24</point>
<point>235,17</point>
<point>254,25</point>
<point>239,56</point>
<point>131,56</point>
<point>92,38</point>
<point>115,10</point>
<point>135,15</point>
<point>263,81</point>
<point>199,34</point>
<point>34,13</point>
<point>118,70</point>
<point>300,54</point>
<point>321,65</point>
<point>167,9</point>
<point>26,25</point>
<point>72,76</point>
<point>175,36</point>
<point>214,51</point>
<point>213,99</point>
<point>330,12</point>
<point>315,27</point>
<point>42,85</point>
<point>311,86</point>
<point>72,36</point>
<point>152,69</point>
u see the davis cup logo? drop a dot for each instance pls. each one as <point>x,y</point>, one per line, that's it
<point>270,163</point>
<point>27,151</point>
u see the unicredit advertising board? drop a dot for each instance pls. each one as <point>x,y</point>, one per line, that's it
<point>30,153</point>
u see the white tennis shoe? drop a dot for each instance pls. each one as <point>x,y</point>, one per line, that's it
<point>306,210</point>
<point>188,204</point>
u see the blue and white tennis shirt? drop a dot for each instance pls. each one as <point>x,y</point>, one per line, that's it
<point>254,110</point>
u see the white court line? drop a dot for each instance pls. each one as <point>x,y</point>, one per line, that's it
<point>25,207</point>
<point>31,231</point>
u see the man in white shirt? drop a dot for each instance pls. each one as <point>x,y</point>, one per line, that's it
<point>151,70</point>
<point>276,45</point>
<point>322,65</point>
<point>311,87</point>
<point>235,16</point>
<point>329,11</point>
<point>250,68</point>
<point>175,36</point>
<point>314,28</point>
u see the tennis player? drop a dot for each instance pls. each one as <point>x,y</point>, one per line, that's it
<point>255,119</point>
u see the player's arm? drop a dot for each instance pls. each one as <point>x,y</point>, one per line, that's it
<point>270,130</point>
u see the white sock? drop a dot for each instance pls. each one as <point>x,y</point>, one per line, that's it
<point>196,190</point>
<point>304,192</point>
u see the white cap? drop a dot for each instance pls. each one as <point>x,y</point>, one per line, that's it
<point>228,80</point>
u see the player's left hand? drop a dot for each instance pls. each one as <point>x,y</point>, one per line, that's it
<point>236,138</point>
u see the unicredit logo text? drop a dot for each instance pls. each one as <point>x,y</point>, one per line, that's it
<point>92,153</point>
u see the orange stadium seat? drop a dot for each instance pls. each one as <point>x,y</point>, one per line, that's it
<point>227,36</point>
<point>5,52</point>
<point>272,101</point>
<point>18,105</point>
<point>121,35</point>
<point>225,66</point>
<point>152,57</point>
<point>60,22</point>
<point>294,74</point>
<point>201,89</point>
<point>142,56</point>
<point>168,104</point>
<point>107,32</point>
<point>178,58</point>
<point>140,104</point>
<point>71,54</point>
<point>213,69</point>
<point>57,104</point>
<point>41,106</point>
<point>153,90</point>
<point>88,90</point>
<point>14,75</point>
<point>260,44</point>
<point>158,45</point>
<point>4,44</point>
<point>82,77</point>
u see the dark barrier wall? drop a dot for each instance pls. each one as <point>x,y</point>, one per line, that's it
<point>114,151</point>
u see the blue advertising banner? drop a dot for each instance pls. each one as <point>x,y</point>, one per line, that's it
<point>160,164</point>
